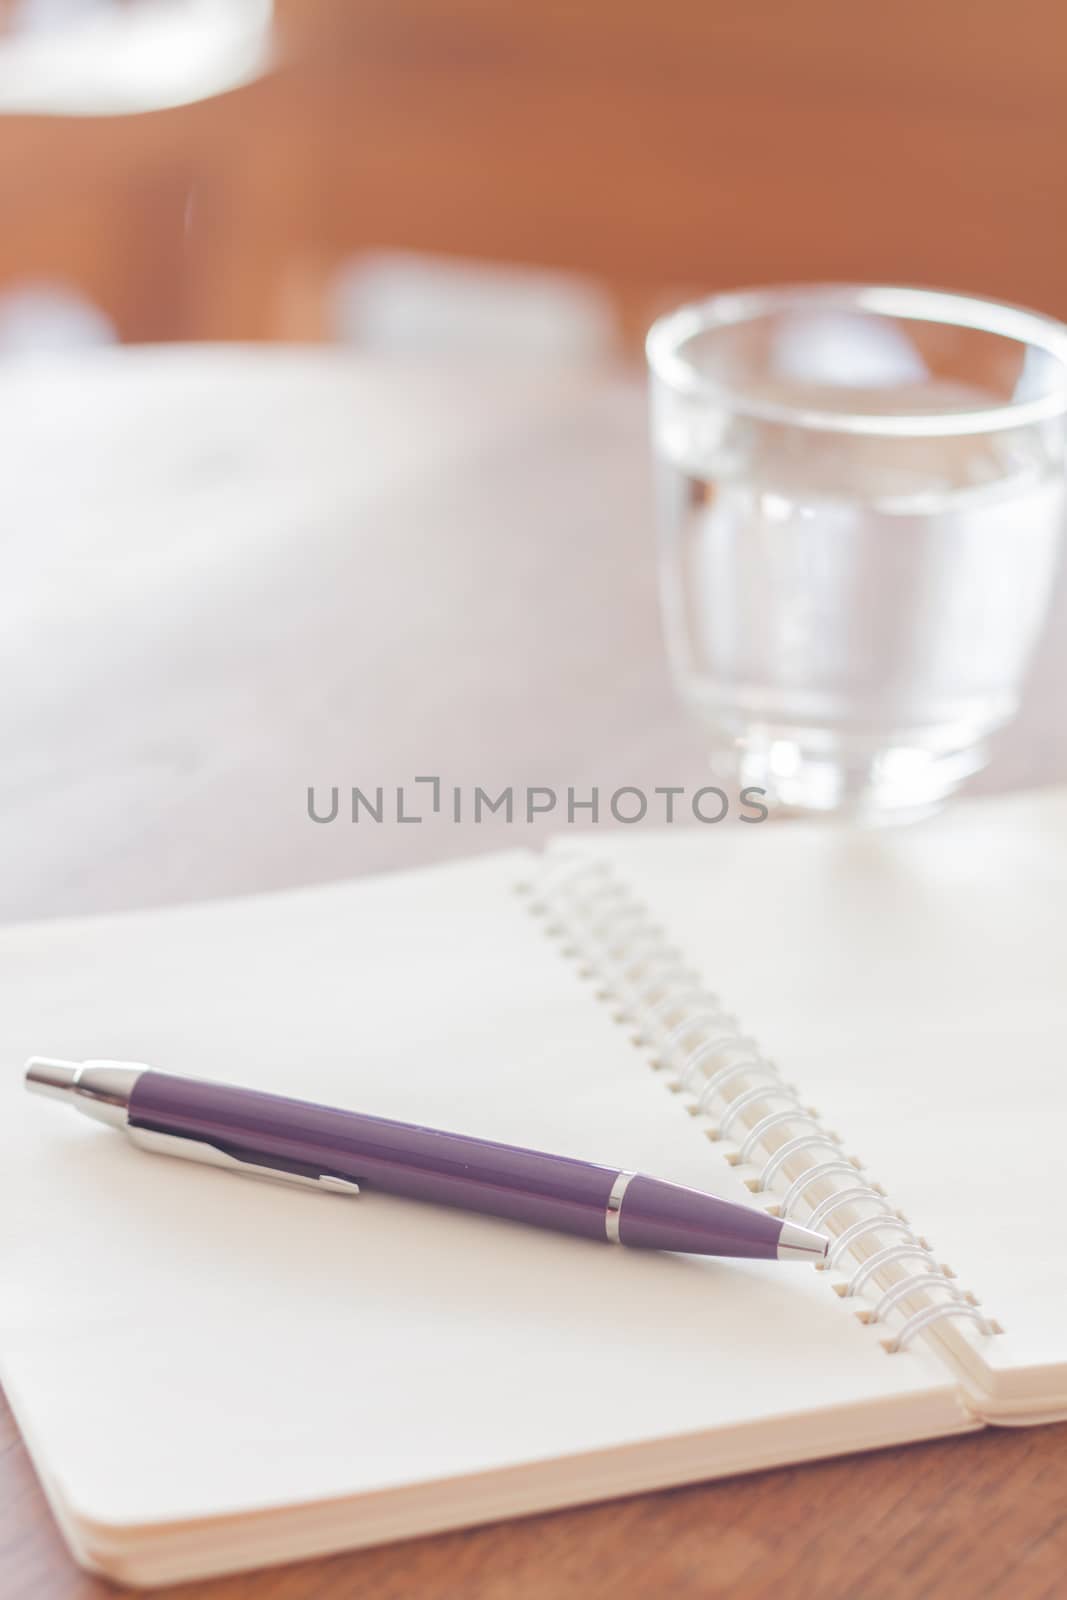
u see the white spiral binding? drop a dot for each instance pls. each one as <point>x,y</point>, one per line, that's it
<point>614,940</point>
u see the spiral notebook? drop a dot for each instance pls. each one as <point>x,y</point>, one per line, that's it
<point>863,1030</point>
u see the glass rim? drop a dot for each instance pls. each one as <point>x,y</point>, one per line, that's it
<point>1031,328</point>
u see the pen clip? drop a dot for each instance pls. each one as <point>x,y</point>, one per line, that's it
<point>187,1148</point>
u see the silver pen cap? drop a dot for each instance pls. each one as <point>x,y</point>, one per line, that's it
<point>99,1089</point>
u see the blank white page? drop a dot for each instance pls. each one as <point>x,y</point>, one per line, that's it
<point>179,1343</point>
<point>912,983</point>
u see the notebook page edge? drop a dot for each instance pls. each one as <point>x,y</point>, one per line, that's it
<point>161,1554</point>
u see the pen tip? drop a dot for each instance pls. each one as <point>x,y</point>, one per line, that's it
<point>801,1244</point>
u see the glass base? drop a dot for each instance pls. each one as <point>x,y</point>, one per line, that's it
<point>898,783</point>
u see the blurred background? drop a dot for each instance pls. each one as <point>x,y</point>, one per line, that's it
<point>513,180</point>
<point>269,549</point>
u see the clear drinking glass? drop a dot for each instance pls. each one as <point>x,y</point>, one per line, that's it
<point>861,498</point>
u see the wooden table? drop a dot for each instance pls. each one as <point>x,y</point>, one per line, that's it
<point>226,575</point>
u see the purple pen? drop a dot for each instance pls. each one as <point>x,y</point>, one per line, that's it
<point>294,1141</point>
